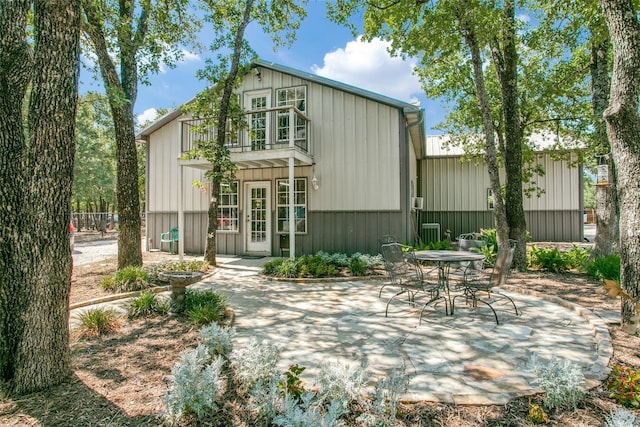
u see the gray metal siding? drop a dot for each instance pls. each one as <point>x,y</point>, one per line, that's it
<point>544,226</point>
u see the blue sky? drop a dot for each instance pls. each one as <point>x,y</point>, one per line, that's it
<point>322,47</point>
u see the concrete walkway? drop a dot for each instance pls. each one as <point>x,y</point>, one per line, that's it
<point>460,359</point>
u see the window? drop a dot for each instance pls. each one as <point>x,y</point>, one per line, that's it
<point>300,204</point>
<point>228,207</point>
<point>296,96</point>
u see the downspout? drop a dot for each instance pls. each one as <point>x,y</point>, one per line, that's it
<point>407,127</point>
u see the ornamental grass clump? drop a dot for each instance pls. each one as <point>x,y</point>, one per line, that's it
<point>98,321</point>
<point>204,307</point>
<point>561,380</point>
<point>147,304</point>
<point>128,279</point>
<point>196,385</point>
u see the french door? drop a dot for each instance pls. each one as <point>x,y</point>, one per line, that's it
<point>259,129</point>
<point>258,217</point>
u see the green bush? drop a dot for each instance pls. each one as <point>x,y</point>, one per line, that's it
<point>204,307</point>
<point>607,267</point>
<point>358,266</point>
<point>127,280</point>
<point>98,321</point>
<point>146,305</point>
<point>272,267</point>
<point>624,385</point>
<point>576,258</point>
<point>547,259</point>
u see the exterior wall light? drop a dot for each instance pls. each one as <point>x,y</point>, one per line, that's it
<point>314,182</point>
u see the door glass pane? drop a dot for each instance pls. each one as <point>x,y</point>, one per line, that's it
<point>258,215</point>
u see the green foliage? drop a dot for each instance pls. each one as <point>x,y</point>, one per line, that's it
<point>577,258</point>
<point>624,385</point>
<point>196,384</point>
<point>127,280</point>
<point>146,305</point>
<point>98,321</point>
<point>620,418</point>
<point>607,267</point>
<point>292,384</point>
<point>340,382</point>
<point>322,264</point>
<point>204,307</point>
<point>217,339</point>
<point>561,381</point>
<point>548,259</point>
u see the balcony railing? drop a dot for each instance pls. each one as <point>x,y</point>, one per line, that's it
<point>268,129</point>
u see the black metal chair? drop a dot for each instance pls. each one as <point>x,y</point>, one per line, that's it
<point>406,274</point>
<point>475,285</point>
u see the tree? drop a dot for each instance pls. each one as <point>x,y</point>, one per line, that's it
<point>217,107</point>
<point>94,171</point>
<point>137,37</point>
<point>36,172</point>
<point>623,130</point>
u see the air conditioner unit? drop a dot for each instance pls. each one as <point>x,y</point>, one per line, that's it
<point>417,203</point>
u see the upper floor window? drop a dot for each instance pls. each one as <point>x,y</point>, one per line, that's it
<point>299,204</point>
<point>228,207</point>
<point>296,96</point>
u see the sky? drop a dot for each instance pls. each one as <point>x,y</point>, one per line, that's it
<point>322,48</point>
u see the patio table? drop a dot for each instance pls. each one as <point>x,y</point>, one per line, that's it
<point>443,260</point>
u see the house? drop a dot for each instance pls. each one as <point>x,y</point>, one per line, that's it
<point>332,163</point>
<point>457,195</point>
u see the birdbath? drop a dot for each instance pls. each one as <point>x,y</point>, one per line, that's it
<point>179,280</point>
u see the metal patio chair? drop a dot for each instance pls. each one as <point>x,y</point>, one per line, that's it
<point>476,286</point>
<point>406,274</point>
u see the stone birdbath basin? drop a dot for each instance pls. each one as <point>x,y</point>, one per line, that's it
<point>179,280</point>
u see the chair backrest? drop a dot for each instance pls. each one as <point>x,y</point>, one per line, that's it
<point>174,233</point>
<point>502,266</point>
<point>388,238</point>
<point>401,265</point>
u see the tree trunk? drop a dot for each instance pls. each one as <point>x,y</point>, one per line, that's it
<point>490,154</point>
<point>39,346</point>
<point>607,209</point>
<point>506,63</point>
<point>15,74</point>
<point>122,92</point>
<point>212,226</point>
<point>623,129</point>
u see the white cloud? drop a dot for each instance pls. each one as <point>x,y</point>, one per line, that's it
<point>147,116</point>
<point>189,56</point>
<point>368,65</point>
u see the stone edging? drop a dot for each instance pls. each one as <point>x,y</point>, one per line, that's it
<point>599,370</point>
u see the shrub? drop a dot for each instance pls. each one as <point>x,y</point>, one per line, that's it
<point>98,321</point>
<point>357,266</point>
<point>607,267</point>
<point>265,399</point>
<point>204,307</point>
<point>561,381</point>
<point>292,384</point>
<point>146,305</point>
<point>383,407</point>
<point>625,386</point>
<point>256,362</point>
<point>309,413</point>
<point>195,384</point>
<point>341,383</point>
<point>620,418</point>
<point>272,267</point>
<point>548,259</point>
<point>288,268</point>
<point>218,340</point>
<point>577,258</point>
<point>127,280</point>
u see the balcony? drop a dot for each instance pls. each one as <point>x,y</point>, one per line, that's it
<point>273,136</point>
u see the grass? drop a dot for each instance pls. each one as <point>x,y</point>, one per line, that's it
<point>98,321</point>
